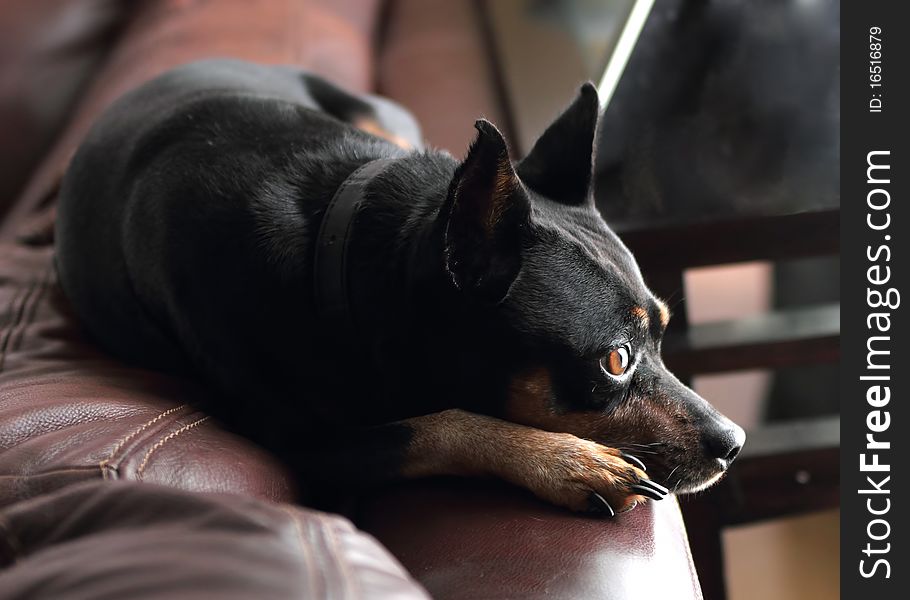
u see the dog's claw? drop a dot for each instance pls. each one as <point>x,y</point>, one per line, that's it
<point>654,486</point>
<point>597,504</point>
<point>634,460</point>
<point>646,491</point>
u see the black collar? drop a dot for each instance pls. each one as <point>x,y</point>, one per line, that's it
<point>330,268</point>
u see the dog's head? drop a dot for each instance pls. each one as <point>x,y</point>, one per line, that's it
<point>585,332</point>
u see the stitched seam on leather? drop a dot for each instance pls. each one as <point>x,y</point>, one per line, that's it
<point>16,314</point>
<point>105,464</point>
<point>32,310</point>
<point>165,440</point>
<point>311,571</point>
<point>334,548</point>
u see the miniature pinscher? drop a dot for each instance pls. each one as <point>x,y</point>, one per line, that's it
<point>372,310</point>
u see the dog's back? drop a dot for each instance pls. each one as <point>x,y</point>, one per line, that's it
<point>185,178</point>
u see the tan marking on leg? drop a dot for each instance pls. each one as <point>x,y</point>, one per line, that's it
<point>558,467</point>
<point>642,315</point>
<point>372,127</point>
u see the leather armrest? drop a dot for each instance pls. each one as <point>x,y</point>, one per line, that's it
<point>472,539</point>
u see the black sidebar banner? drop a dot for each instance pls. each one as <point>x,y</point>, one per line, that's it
<point>875,227</point>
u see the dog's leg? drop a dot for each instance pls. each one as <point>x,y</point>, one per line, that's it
<point>373,114</point>
<point>558,467</point>
<point>563,469</point>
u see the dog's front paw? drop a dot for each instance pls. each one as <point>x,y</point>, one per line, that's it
<point>586,476</point>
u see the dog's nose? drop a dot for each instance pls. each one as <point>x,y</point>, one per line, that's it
<point>725,442</point>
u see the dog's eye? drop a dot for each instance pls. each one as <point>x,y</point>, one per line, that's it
<point>617,361</point>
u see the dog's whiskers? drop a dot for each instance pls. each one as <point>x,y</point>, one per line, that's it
<point>635,450</point>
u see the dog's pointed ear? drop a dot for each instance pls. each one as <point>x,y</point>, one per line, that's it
<point>559,165</point>
<point>487,216</point>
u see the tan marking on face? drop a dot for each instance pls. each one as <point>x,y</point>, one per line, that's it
<point>636,423</point>
<point>642,315</point>
<point>558,467</point>
<point>372,127</point>
<point>638,420</point>
<point>664,313</point>
<point>530,403</point>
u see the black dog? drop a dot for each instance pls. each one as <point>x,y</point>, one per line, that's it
<point>369,311</point>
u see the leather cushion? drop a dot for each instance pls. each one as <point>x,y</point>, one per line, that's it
<point>117,540</point>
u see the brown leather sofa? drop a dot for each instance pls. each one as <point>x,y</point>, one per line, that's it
<point>113,484</point>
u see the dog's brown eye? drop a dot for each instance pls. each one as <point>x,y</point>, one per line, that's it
<point>616,362</point>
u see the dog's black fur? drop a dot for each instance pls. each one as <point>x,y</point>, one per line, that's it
<point>185,241</point>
